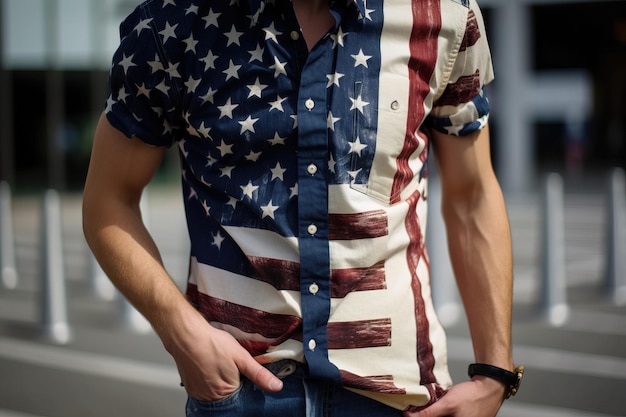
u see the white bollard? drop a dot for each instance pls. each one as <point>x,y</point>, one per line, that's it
<point>616,238</point>
<point>8,269</point>
<point>132,319</point>
<point>553,295</point>
<point>53,318</point>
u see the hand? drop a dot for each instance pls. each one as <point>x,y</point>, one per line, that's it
<point>210,361</point>
<point>480,397</point>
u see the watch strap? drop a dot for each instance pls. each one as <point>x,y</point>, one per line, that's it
<point>511,379</point>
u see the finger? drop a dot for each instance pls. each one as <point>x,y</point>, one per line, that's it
<point>260,376</point>
<point>438,409</point>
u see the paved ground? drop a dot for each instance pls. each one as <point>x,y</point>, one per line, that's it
<point>110,368</point>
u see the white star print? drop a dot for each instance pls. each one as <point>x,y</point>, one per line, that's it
<point>168,32</point>
<point>210,161</point>
<point>191,44</point>
<point>278,67</point>
<point>253,156</point>
<point>353,174</point>
<point>211,19</point>
<point>209,60</point>
<point>127,62</point>
<point>170,2</point>
<point>192,84</point>
<point>334,79</point>
<point>225,149</point>
<point>156,64</point>
<point>277,140</point>
<point>227,171</point>
<point>122,94</point>
<point>454,129</point>
<point>257,54</point>
<point>277,104</point>
<point>208,97</point>
<point>368,12</point>
<point>330,121</point>
<point>233,36</point>
<point>268,211</point>
<point>217,240</point>
<point>191,9</point>
<point>144,24</point>
<point>232,71</point>
<point>277,172</point>
<point>248,125</point>
<point>227,109</point>
<point>164,88</point>
<point>360,59</point>
<point>338,38</point>
<point>249,189</point>
<point>206,207</point>
<point>356,146</point>
<point>358,104</point>
<point>110,103</point>
<point>158,111</point>
<point>331,164</point>
<point>271,33</point>
<point>256,88</point>
<point>232,201</point>
<point>205,131</point>
<point>172,70</point>
<point>294,191</point>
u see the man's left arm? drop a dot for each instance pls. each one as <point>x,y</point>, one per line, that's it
<point>479,243</point>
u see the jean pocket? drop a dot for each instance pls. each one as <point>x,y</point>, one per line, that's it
<point>202,408</point>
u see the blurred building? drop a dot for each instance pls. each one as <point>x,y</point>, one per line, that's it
<point>559,99</point>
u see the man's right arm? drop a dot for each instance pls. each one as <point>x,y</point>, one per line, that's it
<point>209,361</point>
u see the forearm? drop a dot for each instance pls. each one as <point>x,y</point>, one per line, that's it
<point>127,253</point>
<point>480,250</point>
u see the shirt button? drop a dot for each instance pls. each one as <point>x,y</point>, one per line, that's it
<point>314,288</point>
<point>312,344</point>
<point>312,229</point>
<point>295,35</point>
<point>311,169</point>
<point>395,105</point>
<point>309,104</point>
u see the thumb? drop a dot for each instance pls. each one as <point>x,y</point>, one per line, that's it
<point>438,409</point>
<point>260,376</point>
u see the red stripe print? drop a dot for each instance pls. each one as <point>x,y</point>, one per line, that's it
<point>472,32</point>
<point>415,251</point>
<point>279,327</point>
<point>380,383</point>
<point>366,225</point>
<point>347,280</point>
<point>462,91</point>
<point>423,48</point>
<point>282,275</point>
<point>359,334</point>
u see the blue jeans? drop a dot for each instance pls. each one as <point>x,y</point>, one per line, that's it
<point>300,397</point>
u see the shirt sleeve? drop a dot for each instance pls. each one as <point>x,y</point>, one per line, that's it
<point>463,107</point>
<point>141,94</point>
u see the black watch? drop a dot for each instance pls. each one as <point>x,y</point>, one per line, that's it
<point>511,379</point>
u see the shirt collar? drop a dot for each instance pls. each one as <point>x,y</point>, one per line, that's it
<point>257,6</point>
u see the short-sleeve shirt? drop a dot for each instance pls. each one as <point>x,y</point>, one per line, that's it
<point>304,172</point>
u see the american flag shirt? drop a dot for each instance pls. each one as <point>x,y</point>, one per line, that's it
<point>304,171</point>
